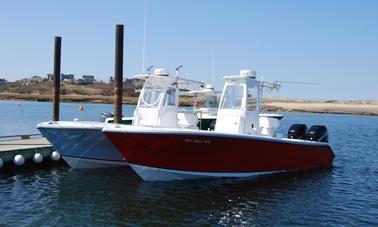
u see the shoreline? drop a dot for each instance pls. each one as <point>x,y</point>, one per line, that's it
<point>67,98</point>
<point>369,108</point>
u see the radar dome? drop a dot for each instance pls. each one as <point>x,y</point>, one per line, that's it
<point>161,72</point>
<point>248,73</point>
<point>209,86</point>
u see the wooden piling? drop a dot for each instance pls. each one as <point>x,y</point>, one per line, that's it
<point>118,74</point>
<point>57,59</point>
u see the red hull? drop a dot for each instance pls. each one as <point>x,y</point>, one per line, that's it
<point>214,153</point>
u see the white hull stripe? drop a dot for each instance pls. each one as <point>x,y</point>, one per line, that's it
<point>95,159</point>
<point>85,163</point>
<point>160,174</point>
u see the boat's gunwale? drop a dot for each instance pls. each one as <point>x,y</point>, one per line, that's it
<point>75,125</point>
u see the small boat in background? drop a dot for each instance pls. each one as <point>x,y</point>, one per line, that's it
<point>238,146</point>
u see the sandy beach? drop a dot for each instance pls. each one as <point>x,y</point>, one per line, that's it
<point>367,107</point>
<point>325,106</point>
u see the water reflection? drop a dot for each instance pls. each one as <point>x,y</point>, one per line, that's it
<point>119,196</point>
<point>27,197</point>
<point>345,195</point>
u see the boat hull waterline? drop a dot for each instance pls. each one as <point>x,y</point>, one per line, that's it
<point>173,155</point>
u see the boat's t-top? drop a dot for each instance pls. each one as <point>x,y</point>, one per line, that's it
<point>159,99</point>
<point>240,106</point>
<point>238,110</point>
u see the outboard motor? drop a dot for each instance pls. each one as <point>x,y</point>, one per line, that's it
<point>212,126</point>
<point>297,131</point>
<point>317,133</point>
<point>105,115</point>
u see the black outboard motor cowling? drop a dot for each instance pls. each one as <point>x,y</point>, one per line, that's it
<point>297,131</point>
<point>212,125</point>
<point>317,133</point>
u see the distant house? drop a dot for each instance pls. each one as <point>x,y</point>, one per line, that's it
<point>33,80</point>
<point>3,81</point>
<point>68,77</point>
<point>63,77</point>
<point>87,79</point>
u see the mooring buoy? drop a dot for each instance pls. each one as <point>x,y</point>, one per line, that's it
<point>37,158</point>
<point>55,156</point>
<point>19,160</point>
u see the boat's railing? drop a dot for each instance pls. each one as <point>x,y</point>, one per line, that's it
<point>21,136</point>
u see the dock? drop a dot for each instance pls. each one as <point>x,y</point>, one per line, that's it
<point>26,147</point>
<point>25,144</point>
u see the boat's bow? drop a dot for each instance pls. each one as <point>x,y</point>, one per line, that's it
<point>82,144</point>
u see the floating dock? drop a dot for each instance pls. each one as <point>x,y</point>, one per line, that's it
<point>26,151</point>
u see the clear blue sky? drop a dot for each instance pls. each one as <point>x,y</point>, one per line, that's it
<point>331,42</point>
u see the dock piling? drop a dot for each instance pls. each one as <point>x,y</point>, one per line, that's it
<point>57,59</point>
<point>118,74</point>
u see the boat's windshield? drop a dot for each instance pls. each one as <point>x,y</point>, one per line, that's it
<point>232,97</point>
<point>211,101</point>
<point>151,97</point>
<point>170,97</point>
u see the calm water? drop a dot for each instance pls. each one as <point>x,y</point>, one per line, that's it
<point>23,118</point>
<point>345,195</point>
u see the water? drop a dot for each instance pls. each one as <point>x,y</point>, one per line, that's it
<point>344,195</point>
<point>23,118</point>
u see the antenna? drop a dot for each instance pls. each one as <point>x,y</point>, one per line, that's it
<point>144,34</point>
<point>212,64</point>
<point>177,70</point>
<point>149,69</point>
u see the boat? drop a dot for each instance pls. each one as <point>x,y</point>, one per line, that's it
<point>82,144</point>
<point>237,147</point>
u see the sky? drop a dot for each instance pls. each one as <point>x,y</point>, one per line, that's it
<point>333,43</point>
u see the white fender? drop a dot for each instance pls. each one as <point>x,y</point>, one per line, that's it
<point>19,160</point>
<point>37,158</point>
